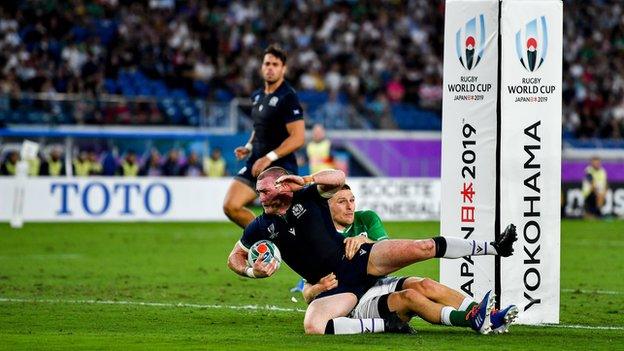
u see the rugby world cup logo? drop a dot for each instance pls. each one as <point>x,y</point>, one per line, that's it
<point>470,42</point>
<point>532,44</point>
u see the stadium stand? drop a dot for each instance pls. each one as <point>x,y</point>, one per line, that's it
<point>172,53</point>
<point>356,65</point>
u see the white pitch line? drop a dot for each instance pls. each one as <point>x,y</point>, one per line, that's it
<point>155,304</point>
<point>578,326</point>
<point>242,307</point>
<point>599,292</point>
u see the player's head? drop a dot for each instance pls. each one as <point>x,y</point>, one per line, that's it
<point>273,201</point>
<point>342,206</point>
<point>273,64</point>
<point>595,162</point>
<point>318,132</point>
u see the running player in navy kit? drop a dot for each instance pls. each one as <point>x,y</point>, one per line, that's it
<point>297,219</point>
<point>279,130</point>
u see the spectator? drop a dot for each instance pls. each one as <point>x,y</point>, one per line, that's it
<point>34,166</point>
<point>214,166</point>
<point>192,167</point>
<point>319,150</point>
<point>152,166</point>
<point>54,165</point>
<point>95,166</point>
<point>9,164</point>
<point>594,188</point>
<point>81,165</point>
<point>171,167</point>
<point>208,48</point>
<point>129,167</point>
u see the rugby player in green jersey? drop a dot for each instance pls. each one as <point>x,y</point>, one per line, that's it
<point>403,296</point>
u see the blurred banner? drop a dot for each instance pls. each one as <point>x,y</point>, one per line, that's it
<point>469,138</point>
<point>398,199</point>
<point>118,199</point>
<point>190,199</point>
<point>530,178</point>
<point>574,202</point>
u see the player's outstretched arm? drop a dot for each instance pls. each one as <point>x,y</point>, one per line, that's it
<point>243,152</point>
<point>237,262</point>
<point>329,181</point>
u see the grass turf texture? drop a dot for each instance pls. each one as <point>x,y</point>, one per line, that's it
<point>186,263</point>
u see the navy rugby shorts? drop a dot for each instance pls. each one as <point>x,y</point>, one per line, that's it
<point>352,276</point>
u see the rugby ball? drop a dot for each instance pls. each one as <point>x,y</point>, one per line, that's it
<point>265,249</point>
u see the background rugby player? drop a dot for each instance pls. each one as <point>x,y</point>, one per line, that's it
<point>279,130</point>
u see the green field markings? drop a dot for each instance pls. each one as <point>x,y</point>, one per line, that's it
<point>597,292</point>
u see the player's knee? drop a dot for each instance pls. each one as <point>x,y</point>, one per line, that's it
<point>410,296</point>
<point>429,286</point>
<point>230,209</point>
<point>312,326</point>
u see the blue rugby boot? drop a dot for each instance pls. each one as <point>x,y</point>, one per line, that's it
<point>479,315</point>
<point>501,319</point>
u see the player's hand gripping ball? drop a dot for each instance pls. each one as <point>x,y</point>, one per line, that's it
<point>265,249</point>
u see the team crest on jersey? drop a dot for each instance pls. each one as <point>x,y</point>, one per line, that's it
<point>298,210</point>
<point>272,233</point>
<point>273,101</point>
<point>261,108</point>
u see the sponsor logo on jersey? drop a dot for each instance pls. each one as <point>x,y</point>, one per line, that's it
<point>273,101</point>
<point>298,210</point>
<point>272,233</point>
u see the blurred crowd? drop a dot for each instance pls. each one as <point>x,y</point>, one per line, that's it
<point>92,163</point>
<point>382,51</point>
<point>593,69</point>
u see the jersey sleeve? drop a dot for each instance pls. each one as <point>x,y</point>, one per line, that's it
<point>251,234</point>
<point>374,226</point>
<point>310,192</point>
<point>290,108</point>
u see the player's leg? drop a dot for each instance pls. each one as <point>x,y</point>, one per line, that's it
<point>324,310</point>
<point>408,302</point>
<point>326,316</point>
<point>439,293</point>
<point>238,195</point>
<point>457,304</point>
<point>391,255</point>
<point>388,256</point>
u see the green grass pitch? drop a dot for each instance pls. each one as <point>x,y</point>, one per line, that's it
<point>166,286</point>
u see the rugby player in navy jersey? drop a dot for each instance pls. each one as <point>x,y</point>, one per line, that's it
<point>279,131</point>
<point>297,219</point>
